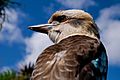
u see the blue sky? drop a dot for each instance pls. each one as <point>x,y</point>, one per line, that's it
<point>18,45</point>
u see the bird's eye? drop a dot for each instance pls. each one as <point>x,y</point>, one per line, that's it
<point>61,18</point>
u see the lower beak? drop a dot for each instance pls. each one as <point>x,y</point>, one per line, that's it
<point>43,28</point>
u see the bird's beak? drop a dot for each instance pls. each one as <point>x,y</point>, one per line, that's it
<point>43,28</point>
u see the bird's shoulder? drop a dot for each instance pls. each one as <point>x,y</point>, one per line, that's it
<point>73,44</point>
<point>62,59</point>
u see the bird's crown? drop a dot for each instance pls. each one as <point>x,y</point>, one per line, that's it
<point>70,14</point>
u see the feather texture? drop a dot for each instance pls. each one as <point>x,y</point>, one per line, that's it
<point>70,59</point>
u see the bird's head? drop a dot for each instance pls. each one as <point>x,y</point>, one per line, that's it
<point>65,23</point>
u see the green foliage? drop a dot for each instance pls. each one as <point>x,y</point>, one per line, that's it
<point>23,73</point>
<point>8,75</point>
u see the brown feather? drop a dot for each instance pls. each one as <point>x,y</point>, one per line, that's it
<point>66,60</point>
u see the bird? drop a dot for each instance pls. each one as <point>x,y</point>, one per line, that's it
<point>77,52</point>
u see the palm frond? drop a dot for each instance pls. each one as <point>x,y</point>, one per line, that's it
<point>26,71</point>
<point>5,4</point>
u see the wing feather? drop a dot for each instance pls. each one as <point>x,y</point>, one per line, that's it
<point>67,59</point>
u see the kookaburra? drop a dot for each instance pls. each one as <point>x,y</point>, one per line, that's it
<point>77,53</point>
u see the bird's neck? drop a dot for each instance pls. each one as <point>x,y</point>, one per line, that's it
<point>65,32</point>
<point>77,34</point>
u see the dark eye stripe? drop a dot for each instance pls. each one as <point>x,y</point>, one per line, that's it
<point>61,18</point>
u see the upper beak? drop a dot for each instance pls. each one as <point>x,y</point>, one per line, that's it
<point>43,28</point>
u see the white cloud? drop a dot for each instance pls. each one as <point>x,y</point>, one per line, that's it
<point>109,24</point>
<point>77,3</point>
<point>10,31</point>
<point>34,46</point>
